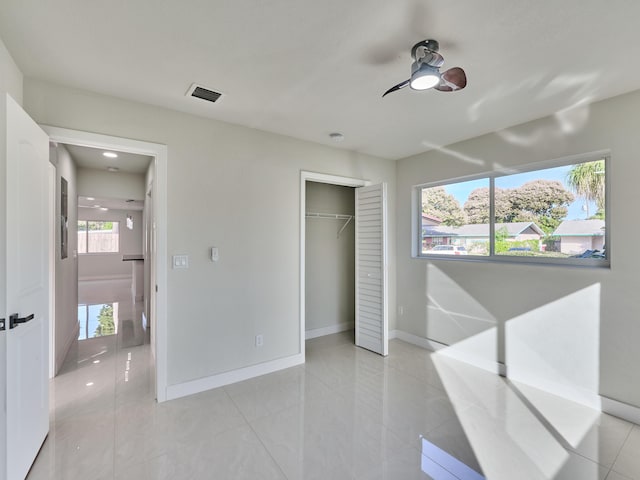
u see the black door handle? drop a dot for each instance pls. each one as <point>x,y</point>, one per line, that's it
<point>15,320</point>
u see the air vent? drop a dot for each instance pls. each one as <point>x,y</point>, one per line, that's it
<point>204,93</point>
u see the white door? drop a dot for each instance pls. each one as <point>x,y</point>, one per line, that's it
<point>27,344</point>
<point>371,269</point>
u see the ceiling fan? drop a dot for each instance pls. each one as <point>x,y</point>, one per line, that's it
<point>425,71</point>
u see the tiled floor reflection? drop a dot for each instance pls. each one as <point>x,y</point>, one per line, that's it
<point>346,414</point>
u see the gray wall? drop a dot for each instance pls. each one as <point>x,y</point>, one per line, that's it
<point>99,183</point>
<point>120,185</point>
<point>573,331</point>
<point>235,188</point>
<point>11,83</point>
<point>66,289</point>
<point>96,266</point>
<point>330,261</point>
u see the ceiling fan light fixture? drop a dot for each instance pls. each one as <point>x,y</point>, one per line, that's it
<point>425,77</point>
<point>425,71</point>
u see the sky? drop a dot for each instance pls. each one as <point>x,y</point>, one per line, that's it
<point>576,210</point>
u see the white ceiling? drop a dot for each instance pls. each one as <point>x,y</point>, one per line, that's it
<point>306,68</point>
<point>93,158</point>
<point>110,203</point>
<point>89,157</point>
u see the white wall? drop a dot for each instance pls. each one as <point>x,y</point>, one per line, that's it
<point>226,185</point>
<point>574,331</point>
<point>100,183</point>
<point>11,83</point>
<point>330,261</point>
<point>110,265</point>
<point>66,270</point>
<point>121,185</point>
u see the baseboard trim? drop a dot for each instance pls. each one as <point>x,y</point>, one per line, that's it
<point>226,378</point>
<point>416,340</point>
<point>104,277</point>
<point>620,409</point>
<point>607,405</point>
<point>493,367</point>
<point>330,330</point>
<point>61,355</point>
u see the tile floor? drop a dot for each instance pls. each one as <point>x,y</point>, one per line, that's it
<point>346,414</point>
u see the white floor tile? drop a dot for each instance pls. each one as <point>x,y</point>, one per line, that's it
<point>346,414</point>
<point>617,476</point>
<point>628,461</point>
<point>408,465</point>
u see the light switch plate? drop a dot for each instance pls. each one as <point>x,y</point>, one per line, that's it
<point>181,261</point>
<point>215,254</point>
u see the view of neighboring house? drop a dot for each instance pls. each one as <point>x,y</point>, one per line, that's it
<point>577,236</point>
<point>430,220</point>
<point>468,235</point>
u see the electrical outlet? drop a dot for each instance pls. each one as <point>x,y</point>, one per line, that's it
<point>259,340</point>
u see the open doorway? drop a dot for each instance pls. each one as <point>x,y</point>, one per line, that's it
<point>115,237</point>
<point>325,300</point>
<point>99,270</point>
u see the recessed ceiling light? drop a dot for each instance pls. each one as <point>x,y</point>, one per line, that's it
<point>110,154</point>
<point>104,209</point>
<point>91,199</point>
<point>336,136</point>
<point>97,206</point>
<point>113,169</point>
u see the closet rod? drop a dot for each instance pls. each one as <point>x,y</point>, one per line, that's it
<point>332,216</point>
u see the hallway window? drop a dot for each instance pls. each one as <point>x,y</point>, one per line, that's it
<point>98,236</point>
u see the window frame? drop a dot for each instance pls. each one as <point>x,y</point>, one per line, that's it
<point>417,253</point>
<point>87,237</point>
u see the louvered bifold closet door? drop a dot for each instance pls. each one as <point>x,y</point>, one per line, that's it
<point>371,268</point>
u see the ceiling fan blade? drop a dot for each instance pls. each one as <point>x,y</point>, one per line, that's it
<point>452,80</point>
<point>397,87</point>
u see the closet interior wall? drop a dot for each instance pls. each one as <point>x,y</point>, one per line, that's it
<point>330,259</point>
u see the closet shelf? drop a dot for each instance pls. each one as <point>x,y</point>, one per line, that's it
<point>332,216</point>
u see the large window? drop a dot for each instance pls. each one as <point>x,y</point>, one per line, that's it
<point>98,237</point>
<point>555,214</point>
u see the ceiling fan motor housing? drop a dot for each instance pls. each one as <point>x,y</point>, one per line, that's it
<point>425,71</point>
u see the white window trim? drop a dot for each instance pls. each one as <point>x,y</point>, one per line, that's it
<point>416,210</point>
<point>87,235</point>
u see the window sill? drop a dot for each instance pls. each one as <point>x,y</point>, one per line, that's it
<point>515,260</point>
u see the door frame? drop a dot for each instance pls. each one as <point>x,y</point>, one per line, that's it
<point>52,269</point>
<point>306,176</point>
<point>159,153</point>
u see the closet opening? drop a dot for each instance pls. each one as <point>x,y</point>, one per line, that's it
<point>329,261</point>
<point>343,261</point>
